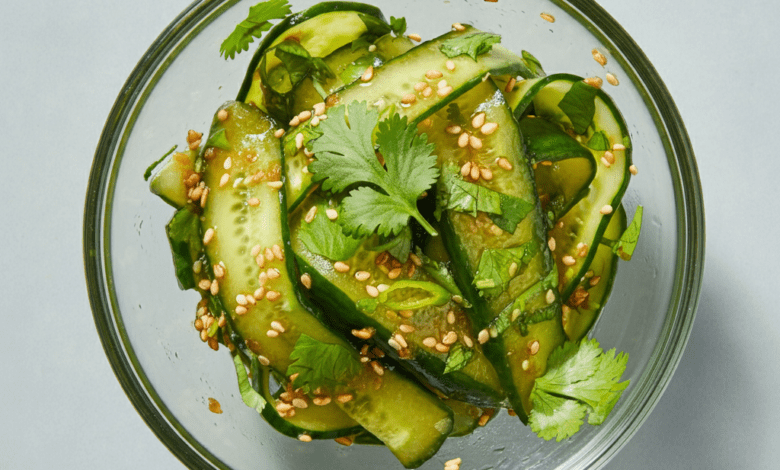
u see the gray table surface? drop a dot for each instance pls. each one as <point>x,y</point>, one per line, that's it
<point>62,65</point>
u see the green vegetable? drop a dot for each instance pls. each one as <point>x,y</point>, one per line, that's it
<point>150,169</point>
<point>599,141</point>
<point>579,105</point>
<point>249,395</point>
<point>186,245</point>
<point>345,156</point>
<point>458,357</point>
<point>219,140</point>
<point>471,45</point>
<point>325,237</point>
<point>627,244</point>
<point>408,295</point>
<point>398,25</point>
<point>581,378</point>
<point>398,246</point>
<point>300,64</point>
<point>321,364</point>
<point>253,26</point>
<point>495,266</point>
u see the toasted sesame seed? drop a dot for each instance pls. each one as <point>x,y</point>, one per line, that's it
<point>429,341</point>
<point>260,260</point>
<point>208,236</point>
<point>550,297</point>
<point>275,184</point>
<point>310,214</point>
<point>633,170</point>
<point>606,209</point>
<point>193,136</point>
<point>582,250</point>
<point>450,65</point>
<point>204,284</point>
<point>406,313</point>
<point>465,169</point>
<point>451,317</point>
<point>241,299</point>
<point>401,340</point>
<point>263,360</point>
<point>315,121</point>
<point>362,275</point>
<point>344,397</point>
<point>488,128</point>
<point>442,348</point>
<point>458,27</point>
<point>483,420</point>
<point>283,407</point>
<point>569,260</point>
<point>504,163</point>
<point>272,295</point>
<point>483,336</point>
<point>278,253</point>
<point>609,156</point>
<point>259,293</point>
<point>241,310</point>
<point>394,273</point>
<point>299,141</point>
<point>409,98</point>
<point>382,287</point>
<point>378,369</point>
<point>463,140</point>
<point>420,86</point>
<point>433,74</point>
<point>262,278</point>
<point>304,438</point>
<point>453,129</point>
<point>513,269</point>
<point>341,266</point>
<point>617,147</point>
<point>612,79</point>
<point>478,121</point>
<point>277,326</point>
<point>599,57</point>
<point>475,142</point>
<point>269,254</point>
<point>227,163</point>
<point>368,74</point>
<point>450,338</point>
<point>486,174</point>
<point>406,328</point>
<point>525,365</point>
<point>273,273</point>
<point>204,335</point>
<point>321,401</point>
<point>510,85</point>
<point>456,461</point>
<point>294,121</point>
<point>346,440</point>
<point>548,17</point>
<point>372,291</point>
<point>253,201</point>
<point>272,333</point>
<point>304,116</point>
<point>441,84</point>
<point>467,340</point>
<point>415,37</point>
<point>224,180</point>
<point>427,92</point>
<point>595,82</point>
<point>442,92</point>
<point>394,344</point>
<point>594,281</point>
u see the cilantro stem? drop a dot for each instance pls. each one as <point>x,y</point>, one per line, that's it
<point>428,227</point>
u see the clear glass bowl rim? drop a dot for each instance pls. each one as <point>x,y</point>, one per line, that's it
<point>690,214</point>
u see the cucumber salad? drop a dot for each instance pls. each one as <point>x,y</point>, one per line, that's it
<point>382,227</point>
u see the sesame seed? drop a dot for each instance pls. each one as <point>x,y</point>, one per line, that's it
<point>504,163</point>
<point>263,360</point>
<point>406,313</point>
<point>483,336</point>
<point>441,347</point>
<point>324,117</point>
<point>458,27</point>
<point>341,266</point>
<point>204,284</point>
<point>609,156</point>
<point>444,91</point>
<point>372,48</point>
<point>275,184</point>
<point>394,273</point>
<point>486,174</point>
<point>441,84</point>
<point>321,401</point>
<point>260,260</point>
<point>465,169</point>
<point>488,128</point>
<point>299,141</point>
<point>569,260</point>
<point>595,82</point>
<point>372,291</point>
<point>513,269</point>
<point>415,37</point>
<point>550,297</point>
<point>430,342</point>
<point>594,281</point>
<point>251,300</point>
<point>312,212</point>
<point>262,278</point>
<point>427,92</point>
<point>304,116</point>
<point>294,121</point>
<point>241,299</point>
<point>344,397</point>
<point>415,259</point>
<point>364,333</point>
<point>394,344</point>
<point>269,254</point>
<point>227,163</point>
<point>450,65</point>
<point>193,136</point>
<point>478,121</point>
<point>582,251</point>
<point>304,438</point>
<point>208,236</point>
<point>463,140</point>
<point>283,407</point>
<point>277,326</point>
<point>475,142</point>
<point>224,179</point>
<point>406,328</point>
<point>240,310</point>
<point>617,147</point>
<point>599,57</point>
<point>253,201</point>
<point>401,340</point>
<point>605,162</point>
<point>548,17</point>
<point>272,295</point>
<point>315,121</point>
<point>607,209</point>
<point>300,403</point>
<point>362,275</point>
<point>451,317</point>
<point>450,338</point>
<point>510,85</point>
<point>273,273</point>
<point>633,170</point>
<point>194,145</point>
<point>525,365</point>
<point>272,333</point>
<point>456,461</point>
<point>378,369</point>
<point>382,287</point>
<point>433,74</point>
<point>259,293</point>
<point>612,79</point>
<point>278,253</point>
<point>453,129</point>
<point>368,74</point>
<point>467,340</point>
<point>409,98</point>
<point>420,86</point>
<point>306,280</point>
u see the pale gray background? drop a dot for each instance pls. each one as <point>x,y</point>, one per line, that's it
<point>62,65</point>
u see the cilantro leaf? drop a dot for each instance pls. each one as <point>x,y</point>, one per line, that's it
<point>513,210</point>
<point>321,364</point>
<point>545,141</point>
<point>345,156</point>
<point>599,141</point>
<point>325,237</point>
<point>186,245</point>
<point>399,246</point>
<point>249,395</point>
<point>398,25</point>
<point>150,169</point>
<point>219,140</point>
<point>300,64</point>
<point>471,45</point>
<point>579,105</point>
<point>580,378</point>
<point>495,265</point>
<point>532,63</point>
<point>457,358</point>
<point>455,116</point>
<point>627,243</point>
<point>253,26</point>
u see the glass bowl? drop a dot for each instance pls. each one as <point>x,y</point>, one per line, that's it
<point>145,321</point>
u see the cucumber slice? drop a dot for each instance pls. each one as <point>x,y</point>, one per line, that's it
<point>395,80</point>
<point>168,181</point>
<point>591,294</point>
<point>351,307</point>
<point>522,325</point>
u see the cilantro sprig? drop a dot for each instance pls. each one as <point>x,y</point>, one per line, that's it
<point>472,45</point>
<point>321,364</point>
<point>581,380</point>
<point>627,243</point>
<point>385,198</point>
<point>253,26</point>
